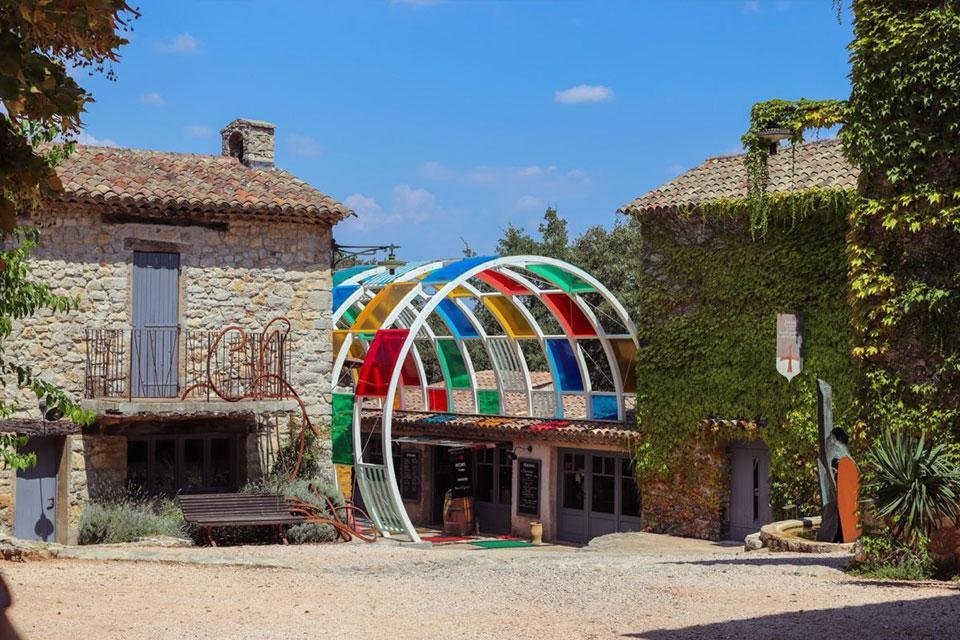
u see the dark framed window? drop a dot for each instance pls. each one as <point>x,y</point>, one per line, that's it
<point>603,498</point>
<point>170,464</point>
<point>574,480</point>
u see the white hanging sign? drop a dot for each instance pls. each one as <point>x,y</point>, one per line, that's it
<point>789,343</point>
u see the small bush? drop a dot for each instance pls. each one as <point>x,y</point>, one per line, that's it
<point>886,558</point>
<point>913,486</point>
<point>301,490</point>
<point>128,520</point>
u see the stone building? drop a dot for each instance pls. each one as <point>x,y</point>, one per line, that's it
<point>713,271</point>
<point>204,286</point>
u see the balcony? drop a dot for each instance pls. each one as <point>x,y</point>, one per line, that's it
<point>172,371</point>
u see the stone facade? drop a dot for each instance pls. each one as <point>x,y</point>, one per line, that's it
<point>243,272</point>
<point>245,275</point>
<point>693,501</point>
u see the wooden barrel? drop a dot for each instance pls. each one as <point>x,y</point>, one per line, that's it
<point>457,515</point>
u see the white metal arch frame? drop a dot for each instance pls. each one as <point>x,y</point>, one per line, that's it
<point>377,481</point>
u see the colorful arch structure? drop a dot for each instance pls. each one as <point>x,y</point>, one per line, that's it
<point>441,319</point>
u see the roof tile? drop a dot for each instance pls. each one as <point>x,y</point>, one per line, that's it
<point>190,183</point>
<point>813,164</point>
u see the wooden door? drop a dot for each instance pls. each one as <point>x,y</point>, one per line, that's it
<point>156,317</point>
<point>749,488</point>
<point>35,510</point>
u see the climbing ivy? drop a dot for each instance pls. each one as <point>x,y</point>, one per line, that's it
<point>903,131</point>
<point>709,292</point>
<point>794,117</point>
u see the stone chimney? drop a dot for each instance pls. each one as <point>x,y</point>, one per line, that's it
<point>250,141</point>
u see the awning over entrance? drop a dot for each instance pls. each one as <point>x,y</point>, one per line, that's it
<point>455,425</point>
<point>446,442</point>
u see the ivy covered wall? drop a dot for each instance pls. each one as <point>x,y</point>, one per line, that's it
<point>709,293</point>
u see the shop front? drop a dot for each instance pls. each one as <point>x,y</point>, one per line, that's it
<point>578,481</point>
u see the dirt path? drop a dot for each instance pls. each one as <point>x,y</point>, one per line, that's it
<point>633,586</point>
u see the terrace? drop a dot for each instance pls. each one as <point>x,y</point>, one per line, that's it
<point>174,371</point>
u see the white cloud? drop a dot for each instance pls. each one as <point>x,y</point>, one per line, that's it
<point>577,174</point>
<point>535,170</point>
<point>180,43</point>
<point>413,204</point>
<point>153,99</point>
<point>305,146</point>
<point>434,170</point>
<point>584,94</point>
<point>529,203</point>
<point>86,138</point>
<point>408,205</point>
<point>198,131</point>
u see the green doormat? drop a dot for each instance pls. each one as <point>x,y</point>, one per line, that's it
<point>500,544</point>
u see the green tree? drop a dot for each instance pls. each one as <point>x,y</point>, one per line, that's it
<point>42,104</point>
<point>904,242</point>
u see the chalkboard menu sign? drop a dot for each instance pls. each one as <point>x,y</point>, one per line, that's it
<point>462,462</point>
<point>410,474</point>
<point>528,490</point>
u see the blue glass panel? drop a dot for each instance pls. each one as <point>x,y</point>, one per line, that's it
<point>340,294</point>
<point>565,364</point>
<point>342,275</point>
<point>603,407</point>
<point>456,319</point>
<point>451,271</point>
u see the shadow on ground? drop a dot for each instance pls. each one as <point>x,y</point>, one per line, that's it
<point>929,618</point>
<point>811,560</point>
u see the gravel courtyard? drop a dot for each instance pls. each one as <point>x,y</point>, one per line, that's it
<point>623,586</point>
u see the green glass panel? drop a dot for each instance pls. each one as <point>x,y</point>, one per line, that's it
<point>350,315</point>
<point>488,402</point>
<point>341,427</point>
<point>340,276</point>
<point>454,368</point>
<point>563,279</point>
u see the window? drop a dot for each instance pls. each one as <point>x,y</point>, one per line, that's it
<point>629,493</point>
<point>573,480</point>
<point>604,481</point>
<point>182,464</point>
<point>483,491</point>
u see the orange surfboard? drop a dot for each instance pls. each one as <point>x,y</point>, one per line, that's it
<point>848,493</point>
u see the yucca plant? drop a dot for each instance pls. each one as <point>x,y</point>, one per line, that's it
<point>914,486</point>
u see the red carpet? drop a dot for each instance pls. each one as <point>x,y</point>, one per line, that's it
<point>442,539</point>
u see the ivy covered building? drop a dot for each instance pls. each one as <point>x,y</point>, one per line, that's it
<point>728,440</point>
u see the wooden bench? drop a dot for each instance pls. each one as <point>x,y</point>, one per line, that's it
<point>209,510</point>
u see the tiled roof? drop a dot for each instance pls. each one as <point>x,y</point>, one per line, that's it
<point>180,184</point>
<point>812,165</point>
<point>455,425</point>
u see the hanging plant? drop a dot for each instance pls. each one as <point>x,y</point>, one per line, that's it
<point>774,120</point>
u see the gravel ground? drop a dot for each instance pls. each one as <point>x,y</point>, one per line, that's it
<point>623,586</point>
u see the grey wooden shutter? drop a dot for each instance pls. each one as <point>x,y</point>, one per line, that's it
<point>156,315</point>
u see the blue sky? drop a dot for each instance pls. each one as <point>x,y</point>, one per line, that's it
<point>442,120</point>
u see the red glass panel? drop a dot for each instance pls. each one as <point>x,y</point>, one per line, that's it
<point>374,378</point>
<point>571,317</point>
<point>503,283</point>
<point>436,399</point>
<point>409,375</point>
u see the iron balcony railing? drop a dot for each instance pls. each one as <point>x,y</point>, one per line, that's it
<point>170,363</point>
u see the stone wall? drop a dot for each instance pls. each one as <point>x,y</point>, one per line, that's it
<point>245,275</point>
<point>694,501</point>
<point>96,470</point>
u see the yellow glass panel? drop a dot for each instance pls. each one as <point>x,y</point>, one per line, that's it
<point>339,335</point>
<point>356,346</point>
<point>626,354</point>
<point>460,292</point>
<point>509,316</point>
<point>377,310</point>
